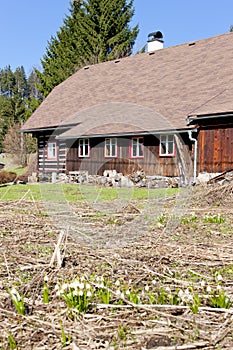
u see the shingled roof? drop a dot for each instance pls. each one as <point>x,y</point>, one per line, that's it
<point>150,91</point>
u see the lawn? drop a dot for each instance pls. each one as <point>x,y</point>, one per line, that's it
<point>75,192</point>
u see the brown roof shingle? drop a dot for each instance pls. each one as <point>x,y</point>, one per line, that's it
<point>143,92</point>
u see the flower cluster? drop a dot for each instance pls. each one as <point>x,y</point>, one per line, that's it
<point>82,293</point>
<point>214,218</point>
<point>17,300</point>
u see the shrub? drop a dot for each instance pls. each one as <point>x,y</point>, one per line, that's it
<point>7,176</point>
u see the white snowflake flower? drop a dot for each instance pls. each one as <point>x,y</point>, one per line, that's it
<point>147,288</point>
<point>117,283</point>
<point>202,283</point>
<point>46,278</point>
<point>64,286</point>
<point>208,289</point>
<point>59,293</point>
<point>180,293</point>
<point>190,297</point>
<point>219,277</point>
<point>56,287</point>
<point>75,284</point>
<point>81,285</point>
<point>89,294</point>
<point>15,294</point>
<point>80,293</point>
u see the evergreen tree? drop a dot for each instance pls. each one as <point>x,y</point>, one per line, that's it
<point>95,31</point>
<point>21,86</point>
<point>18,98</point>
<point>7,82</point>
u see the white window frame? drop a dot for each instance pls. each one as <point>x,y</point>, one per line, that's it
<point>84,148</point>
<point>52,150</point>
<point>110,146</point>
<point>167,145</point>
<point>139,145</point>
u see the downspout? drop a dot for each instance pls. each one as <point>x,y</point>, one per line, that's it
<point>195,156</point>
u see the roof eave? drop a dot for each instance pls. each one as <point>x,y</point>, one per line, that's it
<point>193,119</point>
<point>51,128</point>
<point>128,134</point>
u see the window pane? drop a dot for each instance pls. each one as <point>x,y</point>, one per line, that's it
<point>140,153</point>
<point>170,148</point>
<point>167,145</point>
<point>170,138</point>
<point>52,150</point>
<point>107,150</point>
<point>163,148</point>
<point>163,138</point>
<point>140,147</point>
<point>134,153</point>
<point>110,147</point>
<point>86,150</point>
<point>137,147</point>
<point>83,147</point>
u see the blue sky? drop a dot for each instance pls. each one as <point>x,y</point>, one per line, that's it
<point>27,25</point>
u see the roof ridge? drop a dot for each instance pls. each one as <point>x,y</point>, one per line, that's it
<point>137,55</point>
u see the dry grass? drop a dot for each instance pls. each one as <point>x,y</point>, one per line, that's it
<point>177,254</point>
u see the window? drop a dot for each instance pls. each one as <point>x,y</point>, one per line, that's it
<point>83,148</point>
<point>137,147</point>
<point>110,147</point>
<point>167,145</point>
<point>52,150</point>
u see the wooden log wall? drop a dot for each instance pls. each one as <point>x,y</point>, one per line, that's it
<point>215,144</point>
<point>44,164</point>
<point>151,163</point>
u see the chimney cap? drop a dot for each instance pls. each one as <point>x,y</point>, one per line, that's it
<point>155,35</point>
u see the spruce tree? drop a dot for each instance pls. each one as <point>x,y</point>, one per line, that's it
<point>17,101</point>
<point>95,31</point>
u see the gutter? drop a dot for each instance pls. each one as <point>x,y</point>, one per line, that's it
<point>190,119</point>
<point>161,132</point>
<point>195,155</point>
<point>52,128</point>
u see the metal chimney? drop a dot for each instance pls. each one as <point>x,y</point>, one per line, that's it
<point>155,41</point>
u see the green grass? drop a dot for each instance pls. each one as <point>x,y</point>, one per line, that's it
<point>74,193</point>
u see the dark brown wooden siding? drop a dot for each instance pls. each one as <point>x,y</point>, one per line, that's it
<point>215,145</point>
<point>151,163</point>
<point>45,165</point>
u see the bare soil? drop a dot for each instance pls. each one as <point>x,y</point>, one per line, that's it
<point>174,254</point>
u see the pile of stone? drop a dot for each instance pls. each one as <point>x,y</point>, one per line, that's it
<point>111,178</point>
<point>72,177</point>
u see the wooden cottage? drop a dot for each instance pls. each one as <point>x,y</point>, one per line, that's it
<point>167,111</point>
